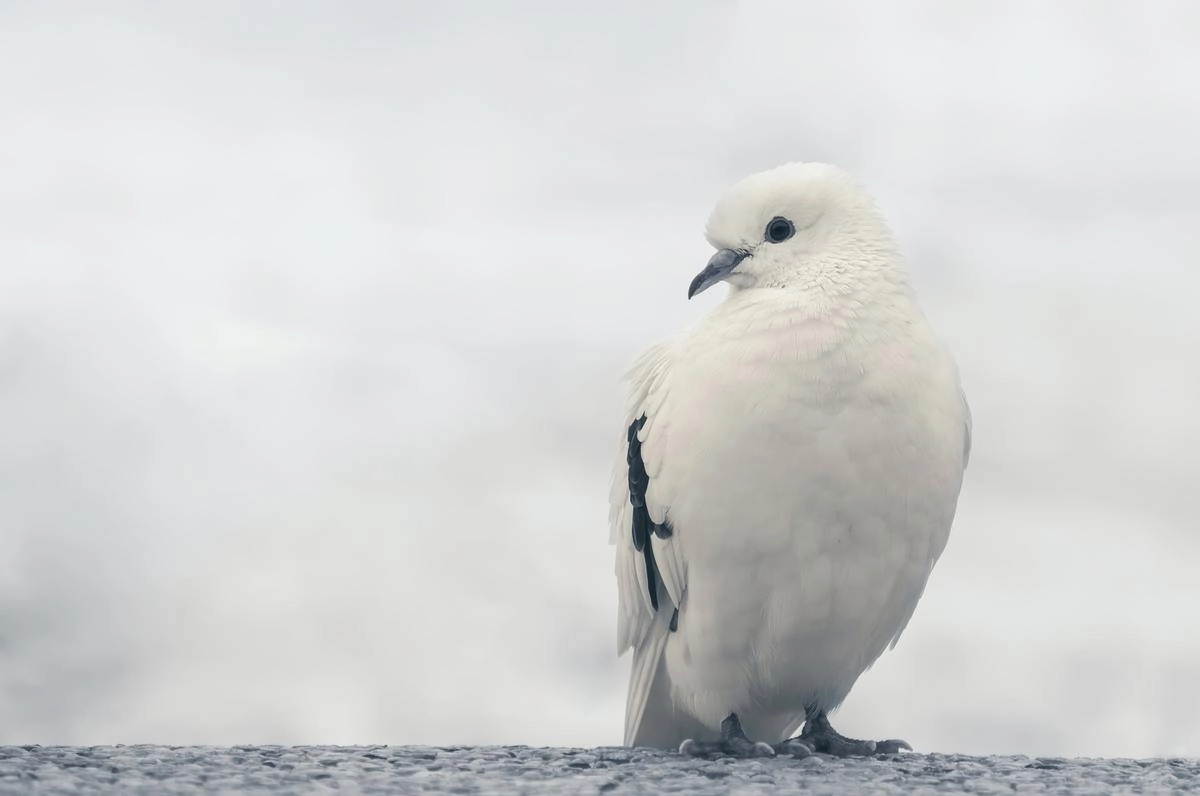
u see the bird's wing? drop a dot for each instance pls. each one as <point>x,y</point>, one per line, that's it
<point>651,573</point>
<point>927,557</point>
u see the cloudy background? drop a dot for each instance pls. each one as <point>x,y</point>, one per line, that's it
<point>312,317</point>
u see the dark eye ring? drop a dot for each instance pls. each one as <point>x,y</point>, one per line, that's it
<point>780,229</point>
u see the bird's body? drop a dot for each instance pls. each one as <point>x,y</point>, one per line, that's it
<point>803,449</point>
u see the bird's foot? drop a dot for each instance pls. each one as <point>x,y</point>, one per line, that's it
<point>822,737</point>
<point>733,743</point>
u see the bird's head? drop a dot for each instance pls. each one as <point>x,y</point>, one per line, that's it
<point>796,225</point>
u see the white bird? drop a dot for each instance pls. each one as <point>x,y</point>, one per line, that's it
<point>788,474</point>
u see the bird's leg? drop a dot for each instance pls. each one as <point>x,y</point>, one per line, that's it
<point>733,743</point>
<point>822,737</point>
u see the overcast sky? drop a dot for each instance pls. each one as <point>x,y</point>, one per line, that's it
<point>312,317</point>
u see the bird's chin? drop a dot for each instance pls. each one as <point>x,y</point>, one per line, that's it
<point>739,282</point>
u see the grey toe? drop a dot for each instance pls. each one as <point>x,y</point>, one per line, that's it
<point>891,747</point>
<point>730,747</point>
<point>762,750</point>
<point>794,747</point>
<point>845,747</point>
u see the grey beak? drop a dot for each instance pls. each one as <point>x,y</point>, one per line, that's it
<point>719,267</point>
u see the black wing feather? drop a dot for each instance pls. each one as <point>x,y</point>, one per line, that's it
<point>643,526</point>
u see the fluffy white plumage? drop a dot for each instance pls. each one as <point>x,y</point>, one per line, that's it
<point>804,447</point>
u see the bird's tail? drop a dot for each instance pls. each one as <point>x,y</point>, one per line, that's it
<point>651,717</point>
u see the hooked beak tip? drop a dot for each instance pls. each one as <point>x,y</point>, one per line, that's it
<point>719,267</point>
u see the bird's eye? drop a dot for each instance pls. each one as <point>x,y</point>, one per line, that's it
<point>780,229</point>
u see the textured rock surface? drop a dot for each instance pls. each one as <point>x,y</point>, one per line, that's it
<point>518,769</point>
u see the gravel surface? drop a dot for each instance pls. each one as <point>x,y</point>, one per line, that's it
<point>521,769</point>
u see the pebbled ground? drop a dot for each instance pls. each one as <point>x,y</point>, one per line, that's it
<point>520,769</point>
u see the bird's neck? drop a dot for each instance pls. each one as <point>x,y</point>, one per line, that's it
<point>838,289</point>
<point>819,316</point>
